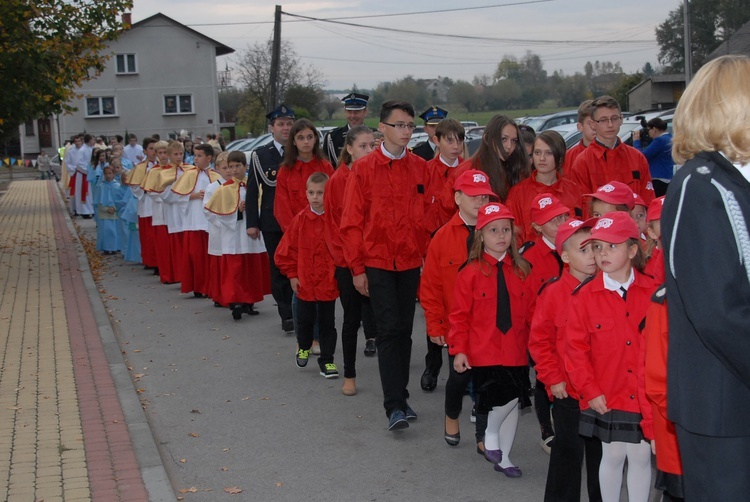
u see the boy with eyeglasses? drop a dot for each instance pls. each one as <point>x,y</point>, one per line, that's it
<point>607,158</point>
<point>389,214</point>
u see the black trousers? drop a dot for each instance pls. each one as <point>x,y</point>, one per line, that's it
<point>280,287</point>
<point>433,361</point>
<point>455,389</point>
<point>357,310</point>
<point>564,473</point>
<point>308,313</point>
<point>393,295</point>
<point>714,468</point>
<point>542,407</point>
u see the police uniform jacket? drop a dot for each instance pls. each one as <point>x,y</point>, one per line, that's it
<point>424,150</point>
<point>264,167</point>
<point>333,142</point>
<point>708,292</point>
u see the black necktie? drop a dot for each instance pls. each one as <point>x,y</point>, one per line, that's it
<point>469,239</point>
<point>503,301</point>
<point>559,262</point>
<point>624,293</point>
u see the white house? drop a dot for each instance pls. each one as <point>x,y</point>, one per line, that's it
<point>161,78</point>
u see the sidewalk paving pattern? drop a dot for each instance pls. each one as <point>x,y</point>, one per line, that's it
<point>62,431</point>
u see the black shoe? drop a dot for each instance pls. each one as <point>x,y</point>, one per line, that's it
<point>86,216</point>
<point>250,309</point>
<point>156,270</point>
<point>428,381</point>
<point>287,325</point>
<point>370,347</point>
<point>218,305</point>
<point>237,312</point>
<point>198,295</point>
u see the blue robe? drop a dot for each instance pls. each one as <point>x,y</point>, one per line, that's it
<point>107,236</point>
<point>127,210</point>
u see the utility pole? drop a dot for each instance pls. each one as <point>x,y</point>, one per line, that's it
<point>275,59</point>
<point>688,43</point>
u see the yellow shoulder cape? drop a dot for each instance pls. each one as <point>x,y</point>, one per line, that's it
<point>226,199</point>
<point>159,178</point>
<point>138,174</point>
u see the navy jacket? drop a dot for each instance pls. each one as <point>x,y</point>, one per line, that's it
<point>707,252</point>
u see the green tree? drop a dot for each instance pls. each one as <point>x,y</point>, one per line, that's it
<point>711,22</point>
<point>406,89</point>
<point>466,95</point>
<point>47,50</point>
<point>528,73</point>
<point>304,97</point>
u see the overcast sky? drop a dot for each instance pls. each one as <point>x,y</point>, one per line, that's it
<point>565,33</point>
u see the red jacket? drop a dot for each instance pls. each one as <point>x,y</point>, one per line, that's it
<point>334,206</point>
<point>570,157</point>
<point>544,265</point>
<point>474,313</point>
<point>521,198</point>
<point>446,254</point>
<point>443,173</point>
<point>388,213</point>
<point>547,337</point>
<point>656,336</point>
<point>655,266</point>
<point>603,350</point>
<point>446,200</point>
<point>303,254</point>
<point>598,165</point>
<point>291,189</point>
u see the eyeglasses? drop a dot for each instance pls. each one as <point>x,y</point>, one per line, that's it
<point>401,126</point>
<point>609,120</point>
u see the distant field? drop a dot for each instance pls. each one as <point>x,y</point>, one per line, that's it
<point>454,111</point>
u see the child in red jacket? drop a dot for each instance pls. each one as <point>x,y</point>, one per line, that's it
<point>612,196</point>
<point>302,157</point>
<point>547,346</point>
<point>448,251</point>
<point>606,315</point>
<point>668,462</point>
<point>489,333</point>
<point>547,214</point>
<point>655,260</point>
<point>303,257</point>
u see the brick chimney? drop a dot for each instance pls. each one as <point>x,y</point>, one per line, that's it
<point>126,20</point>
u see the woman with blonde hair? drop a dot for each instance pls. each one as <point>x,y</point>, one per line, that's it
<point>707,251</point>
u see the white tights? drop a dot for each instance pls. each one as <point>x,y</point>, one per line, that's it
<point>502,422</point>
<point>639,470</point>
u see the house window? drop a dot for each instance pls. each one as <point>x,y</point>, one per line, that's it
<point>101,107</point>
<point>176,104</point>
<point>126,64</point>
<point>29,128</point>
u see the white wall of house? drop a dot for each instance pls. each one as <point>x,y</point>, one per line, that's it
<point>161,78</point>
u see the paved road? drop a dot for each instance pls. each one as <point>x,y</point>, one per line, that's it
<point>229,408</point>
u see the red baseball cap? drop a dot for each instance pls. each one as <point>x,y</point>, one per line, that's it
<point>545,207</point>
<point>491,212</point>
<point>654,209</point>
<point>473,182</point>
<point>614,227</point>
<point>639,200</point>
<point>567,229</point>
<point>614,192</point>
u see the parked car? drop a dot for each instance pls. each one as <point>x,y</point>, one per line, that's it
<point>417,138</point>
<point>572,136</point>
<point>469,123</point>
<point>544,122</point>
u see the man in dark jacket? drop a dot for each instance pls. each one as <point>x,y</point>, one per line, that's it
<point>264,165</point>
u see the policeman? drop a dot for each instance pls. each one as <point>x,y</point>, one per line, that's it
<point>261,187</point>
<point>432,117</point>
<point>355,108</point>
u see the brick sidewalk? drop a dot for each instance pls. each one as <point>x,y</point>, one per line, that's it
<point>62,431</point>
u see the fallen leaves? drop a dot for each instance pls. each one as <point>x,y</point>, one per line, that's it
<point>233,490</point>
<point>192,489</point>
<point>194,435</point>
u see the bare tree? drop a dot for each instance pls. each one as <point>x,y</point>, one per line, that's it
<point>254,68</point>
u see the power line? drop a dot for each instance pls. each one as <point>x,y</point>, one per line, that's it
<point>397,14</point>
<point>470,37</point>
